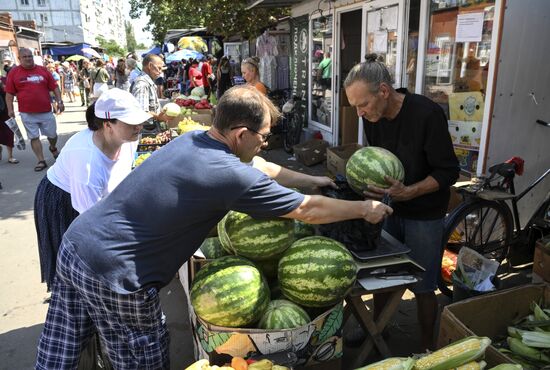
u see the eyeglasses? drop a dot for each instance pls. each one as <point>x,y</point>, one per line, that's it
<point>265,137</point>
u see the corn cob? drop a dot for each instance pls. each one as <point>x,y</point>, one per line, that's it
<point>507,367</point>
<point>521,349</point>
<point>473,365</point>
<point>536,339</point>
<point>454,355</point>
<point>394,363</point>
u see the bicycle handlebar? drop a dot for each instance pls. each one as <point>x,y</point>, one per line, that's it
<point>543,123</point>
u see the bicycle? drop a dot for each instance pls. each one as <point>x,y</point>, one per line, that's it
<point>485,222</point>
<point>290,125</point>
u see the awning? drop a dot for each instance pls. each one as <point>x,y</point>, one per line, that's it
<point>155,50</point>
<point>68,50</point>
<point>270,3</point>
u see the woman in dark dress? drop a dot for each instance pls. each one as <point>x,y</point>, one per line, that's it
<point>6,135</point>
<point>223,75</point>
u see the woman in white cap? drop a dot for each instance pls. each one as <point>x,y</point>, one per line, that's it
<point>90,165</point>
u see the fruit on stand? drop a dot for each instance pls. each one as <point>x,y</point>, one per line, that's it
<point>171,109</point>
<point>369,166</point>
<point>187,125</point>
<point>139,160</point>
<point>473,365</point>
<point>394,363</point>
<point>237,363</point>
<point>316,272</point>
<point>230,291</point>
<point>212,248</point>
<point>203,104</point>
<point>283,314</point>
<point>258,240</point>
<point>264,364</point>
<point>454,355</point>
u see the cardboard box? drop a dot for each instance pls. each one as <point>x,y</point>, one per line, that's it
<point>320,341</point>
<point>338,156</point>
<point>203,118</point>
<point>464,133</point>
<point>311,152</point>
<point>349,126</point>
<point>489,315</point>
<point>541,263</point>
<point>466,106</point>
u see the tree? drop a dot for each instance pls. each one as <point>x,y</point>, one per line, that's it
<point>111,47</point>
<point>131,43</point>
<point>220,17</point>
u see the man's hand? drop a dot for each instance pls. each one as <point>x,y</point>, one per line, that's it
<point>397,191</point>
<point>11,113</point>
<point>322,181</point>
<point>60,107</point>
<point>376,211</point>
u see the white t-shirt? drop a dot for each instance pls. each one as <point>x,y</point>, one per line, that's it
<point>83,171</point>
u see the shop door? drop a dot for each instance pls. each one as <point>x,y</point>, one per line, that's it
<point>384,34</point>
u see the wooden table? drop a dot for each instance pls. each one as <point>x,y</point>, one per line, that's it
<point>373,328</point>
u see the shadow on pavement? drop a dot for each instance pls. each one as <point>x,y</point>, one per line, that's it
<point>19,181</point>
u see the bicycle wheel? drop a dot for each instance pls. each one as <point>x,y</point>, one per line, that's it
<point>293,132</point>
<point>484,226</point>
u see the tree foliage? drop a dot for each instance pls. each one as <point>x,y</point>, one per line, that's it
<point>220,17</point>
<point>111,47</point>
<point>131,43</point>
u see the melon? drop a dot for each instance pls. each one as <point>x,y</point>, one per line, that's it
<point>283,314</point>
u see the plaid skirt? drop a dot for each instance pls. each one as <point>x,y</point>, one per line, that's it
<point>53,214</point>
<point>131,326</point>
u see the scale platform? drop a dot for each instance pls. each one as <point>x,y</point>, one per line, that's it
<point>388,246</point>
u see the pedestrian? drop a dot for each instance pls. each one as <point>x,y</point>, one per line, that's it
<point>32,85</point>
<point>195,75</point>
<point>84,84</point>
<point>6,134</point>
<point>68,81</point>
<point>251,74</point>
<point>132,66</point>
<point>224,76</point>
<point>109,273</point>
<point>415,129</point>
<point>100,78</point>
<point>208,77</point>
<point>121,76</point>
<point>57,78</point>
<point>92,163</point>
<point>8,64</point>
<point>145,90</point>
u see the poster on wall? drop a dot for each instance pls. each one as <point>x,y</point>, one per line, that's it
<point>469,27</point>
<point>299,33</point>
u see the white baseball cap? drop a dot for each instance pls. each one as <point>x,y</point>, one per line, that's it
<point>121,105</point>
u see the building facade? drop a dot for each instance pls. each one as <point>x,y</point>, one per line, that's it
<point>75,21</point>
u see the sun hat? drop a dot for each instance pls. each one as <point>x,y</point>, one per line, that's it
<point>120,104</point>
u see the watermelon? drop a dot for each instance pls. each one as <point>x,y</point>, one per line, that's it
<point>269,267</point>
<point>303,230</point>
<point>283,314</point>
<point>368,166</point>
<point>258,240</point>
<point>212,248</point>
<point>316,272</point>
<point>230,291</point>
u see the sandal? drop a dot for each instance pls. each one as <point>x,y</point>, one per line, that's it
<point>13,160</point>
<point>40,166</point>
<point>54,152</point>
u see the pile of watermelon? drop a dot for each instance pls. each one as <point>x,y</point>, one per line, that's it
<point>269,273</point>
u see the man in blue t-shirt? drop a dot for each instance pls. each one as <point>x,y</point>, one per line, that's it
<point>116,256</point>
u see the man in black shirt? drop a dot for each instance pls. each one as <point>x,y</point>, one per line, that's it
<point>415,129</point>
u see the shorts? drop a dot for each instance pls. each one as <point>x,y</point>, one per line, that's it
<point>425,239</point>
<point>37,124</point>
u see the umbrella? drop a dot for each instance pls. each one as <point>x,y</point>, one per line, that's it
<point>75,58</point>
<point>91,52</point>
<point>193,43</point>
<point>183,54</point>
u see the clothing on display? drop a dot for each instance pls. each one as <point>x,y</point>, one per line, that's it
<point>266,50</point>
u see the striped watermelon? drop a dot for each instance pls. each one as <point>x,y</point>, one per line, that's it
<point>303,230</point>
<point>283,314</point>
<point>230,291</point>
<point>316,272</point>
<point>369,165</point>
<point>212,248</point>
<point>269,267</point>
<point>258,240</point>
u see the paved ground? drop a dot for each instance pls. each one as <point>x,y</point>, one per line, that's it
<point>22,307</point>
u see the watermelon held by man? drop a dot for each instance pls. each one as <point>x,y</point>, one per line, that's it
<point>370,166</point>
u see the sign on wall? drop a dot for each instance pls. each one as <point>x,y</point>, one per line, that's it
<point>299,33</point>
